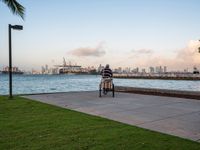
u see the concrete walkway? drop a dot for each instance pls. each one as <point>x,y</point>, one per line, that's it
<point>175,116</point>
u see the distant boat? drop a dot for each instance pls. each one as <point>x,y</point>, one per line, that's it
<point>195,70</point>
<point>70,69</point>
<point>13,72</point>
<point>73,69</point>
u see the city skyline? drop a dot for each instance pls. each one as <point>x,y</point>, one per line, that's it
<point>46,69</point>
<point>122,33</point>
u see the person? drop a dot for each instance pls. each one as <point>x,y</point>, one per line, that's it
<point>106,80</point>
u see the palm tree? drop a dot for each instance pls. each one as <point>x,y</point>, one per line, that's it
<point>15,7</point>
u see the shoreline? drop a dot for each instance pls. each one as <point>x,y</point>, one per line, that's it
<point>135,90</point>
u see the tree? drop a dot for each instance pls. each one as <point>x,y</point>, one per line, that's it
<point>15,7</point>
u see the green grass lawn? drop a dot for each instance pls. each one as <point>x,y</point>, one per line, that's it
<point>26,124</point>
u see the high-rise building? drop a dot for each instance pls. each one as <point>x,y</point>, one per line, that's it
<point>165,69</point>
<point>100,68</point>
<point>143,70</point>
<point>120,69</point>
<point>127,70</point>
<point>43,70</point>
<point>53,71</point>
<point>151,70</point>
<point>159,69</point>
<point>135,70</point>
<point>46,68</point>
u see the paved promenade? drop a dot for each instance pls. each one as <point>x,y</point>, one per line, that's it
<point>175,116</point>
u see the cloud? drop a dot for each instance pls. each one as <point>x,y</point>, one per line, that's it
<point>189,54</point>
<point>142,51</point>
<point>97,51</point>
<point>181,59</point>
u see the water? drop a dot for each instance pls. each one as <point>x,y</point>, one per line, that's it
<point>27,84</point>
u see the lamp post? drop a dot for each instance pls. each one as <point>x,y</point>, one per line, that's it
<point>15,27</point>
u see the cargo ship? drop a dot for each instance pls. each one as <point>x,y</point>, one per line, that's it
<point>70,69</point>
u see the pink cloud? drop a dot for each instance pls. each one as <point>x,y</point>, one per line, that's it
<point>97,51</point>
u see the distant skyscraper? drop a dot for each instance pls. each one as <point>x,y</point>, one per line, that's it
<point>127,70</point>
<point>135,70</point>
<point>100,68</point>
<point>43,70</point>
<point>165,69</point>
<point>46,68</point>
<point>120,69</point>
<point>151,70</point>
<point>159,69</point>
<point>64,62</point>
<point>143,70</point>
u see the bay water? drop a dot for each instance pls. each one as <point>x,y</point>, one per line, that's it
<point>30,84</point>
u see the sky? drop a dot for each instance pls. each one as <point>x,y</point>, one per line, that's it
<point>126,33</point>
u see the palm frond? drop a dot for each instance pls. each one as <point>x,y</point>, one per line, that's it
<point>15,7</point>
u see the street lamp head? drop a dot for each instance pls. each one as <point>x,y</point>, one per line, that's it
<point>17,27</point>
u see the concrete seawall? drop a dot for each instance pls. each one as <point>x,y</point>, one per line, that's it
<point>159,92</point>
<point>156,77</point>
